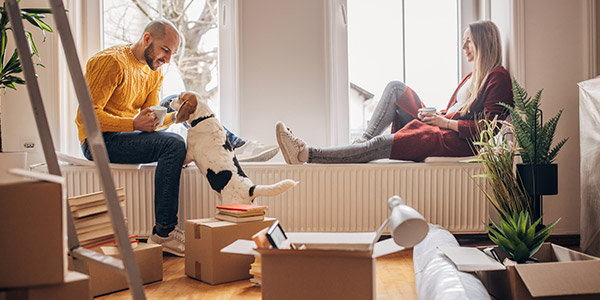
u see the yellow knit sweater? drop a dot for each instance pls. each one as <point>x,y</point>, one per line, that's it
<point>120,86</point>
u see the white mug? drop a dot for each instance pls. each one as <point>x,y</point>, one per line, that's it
<point>160,112</point>
<point>428,109</point>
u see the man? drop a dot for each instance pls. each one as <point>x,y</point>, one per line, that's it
<point>124,82</point>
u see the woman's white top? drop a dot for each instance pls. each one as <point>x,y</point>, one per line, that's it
<point>461,97</point>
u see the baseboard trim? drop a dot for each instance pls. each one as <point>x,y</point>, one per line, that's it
<point>571,240</point>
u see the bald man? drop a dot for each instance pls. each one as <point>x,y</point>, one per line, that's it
<point>124,82</point>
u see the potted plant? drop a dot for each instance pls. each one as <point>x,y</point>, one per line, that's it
<point>537,172</point>
<point>12,67</point>
<point>516,233</point>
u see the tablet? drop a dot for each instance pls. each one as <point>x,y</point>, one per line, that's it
<point>276,236</point>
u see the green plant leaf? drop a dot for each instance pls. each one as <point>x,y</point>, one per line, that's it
<point>521,253</point>
<point>32,43</point>
<point>37,10</point>
<point>3,42</point>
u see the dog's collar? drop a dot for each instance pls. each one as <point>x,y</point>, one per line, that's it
<point>196,121</point>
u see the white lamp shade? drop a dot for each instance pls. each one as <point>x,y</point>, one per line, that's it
<point>407,226</point>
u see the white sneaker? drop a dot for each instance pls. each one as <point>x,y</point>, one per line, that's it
<point>254,151</point>
<point>174,243</point>
<point>290,145</point>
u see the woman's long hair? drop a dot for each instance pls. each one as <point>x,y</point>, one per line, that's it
<point>488,55</point>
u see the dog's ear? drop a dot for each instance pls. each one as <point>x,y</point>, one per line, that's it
<point>186,109</point>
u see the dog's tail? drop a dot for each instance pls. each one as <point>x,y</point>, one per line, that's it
<point>273,189</point>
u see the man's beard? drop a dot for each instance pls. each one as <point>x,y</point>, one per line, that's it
<point>150,57</point>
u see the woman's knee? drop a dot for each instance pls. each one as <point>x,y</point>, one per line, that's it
<point>395,85</point>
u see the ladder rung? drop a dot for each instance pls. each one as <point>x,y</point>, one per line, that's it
<point>94,257</point>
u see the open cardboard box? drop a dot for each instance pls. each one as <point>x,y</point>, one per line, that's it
<point>333,266</point>
<point>561,274</point>
<point>149,259</point>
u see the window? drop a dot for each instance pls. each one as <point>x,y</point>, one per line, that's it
<point>413,41</point>
<point>194,67</point>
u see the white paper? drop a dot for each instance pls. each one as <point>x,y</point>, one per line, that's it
<point>244,247</point>
<point>468,259</point>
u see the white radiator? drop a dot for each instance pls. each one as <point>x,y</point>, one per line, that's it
<point>342,198</point>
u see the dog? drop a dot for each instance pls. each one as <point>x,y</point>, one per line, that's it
<point>209,148</point>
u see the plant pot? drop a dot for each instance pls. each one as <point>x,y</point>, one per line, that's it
<point>539,179</point>
<point>10,160</point>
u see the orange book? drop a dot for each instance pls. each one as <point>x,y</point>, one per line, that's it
<point>242,207</point>
<point>260,239</point>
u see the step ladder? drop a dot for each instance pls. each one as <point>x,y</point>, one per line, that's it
<point>127,265</point>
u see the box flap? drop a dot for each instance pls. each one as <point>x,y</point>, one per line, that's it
<point>386,247</point>
<point>468,259</point>
<point>38,176</point>
<point>360,241</point>
<point>561,278</point>
<point>244,247</point>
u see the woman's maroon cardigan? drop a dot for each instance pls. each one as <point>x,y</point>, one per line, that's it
<point>417,140</point>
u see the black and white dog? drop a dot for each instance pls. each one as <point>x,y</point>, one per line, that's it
<point>208,147</point>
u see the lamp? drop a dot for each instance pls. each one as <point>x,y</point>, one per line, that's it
<point>407,226</point>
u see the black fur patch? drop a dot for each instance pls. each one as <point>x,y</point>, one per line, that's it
<point>227,145</point>
<point>251,190</point>
<point>218,180</point>
<point>239,169</point>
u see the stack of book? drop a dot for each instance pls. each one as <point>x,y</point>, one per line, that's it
<point>240,213</point>
<point>261,241</point>
<point>255,271</point>
<point>91,218</point>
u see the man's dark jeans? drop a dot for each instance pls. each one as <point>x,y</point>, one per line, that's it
<point>166,148</point>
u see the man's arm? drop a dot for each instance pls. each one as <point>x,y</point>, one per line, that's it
<point>103,75</point>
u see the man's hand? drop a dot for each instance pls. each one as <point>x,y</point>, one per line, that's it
<point>145,121</point>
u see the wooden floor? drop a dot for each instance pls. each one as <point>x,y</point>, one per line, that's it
<point>395,280</point>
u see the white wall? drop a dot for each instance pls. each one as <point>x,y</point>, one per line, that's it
<point>18,124</point>
<point>557,54</point>
<point>284,71</point>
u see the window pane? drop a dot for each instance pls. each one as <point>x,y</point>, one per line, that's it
<point>375,52</point>
<point>374,55</point>
<point>432,49</point>
<point>194,68</point>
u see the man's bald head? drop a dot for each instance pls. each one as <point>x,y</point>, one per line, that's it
<point>160,28</point>
<point>159,42</point>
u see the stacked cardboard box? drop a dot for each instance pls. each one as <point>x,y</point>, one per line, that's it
<point>149,261</point>
<point>34,259</point>
<point>204,239</point>
<point>76,286</point>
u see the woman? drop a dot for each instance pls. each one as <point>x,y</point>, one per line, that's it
<point>417,134</point>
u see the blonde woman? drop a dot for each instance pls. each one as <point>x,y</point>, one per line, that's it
<point>416,132</point>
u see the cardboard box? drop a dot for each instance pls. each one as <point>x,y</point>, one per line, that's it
<point>32,218</point>
<point>204,239</point>
<point>149,259</point>
<point>561,274</point>
<point>333,266</point>
<point>76,286</point>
